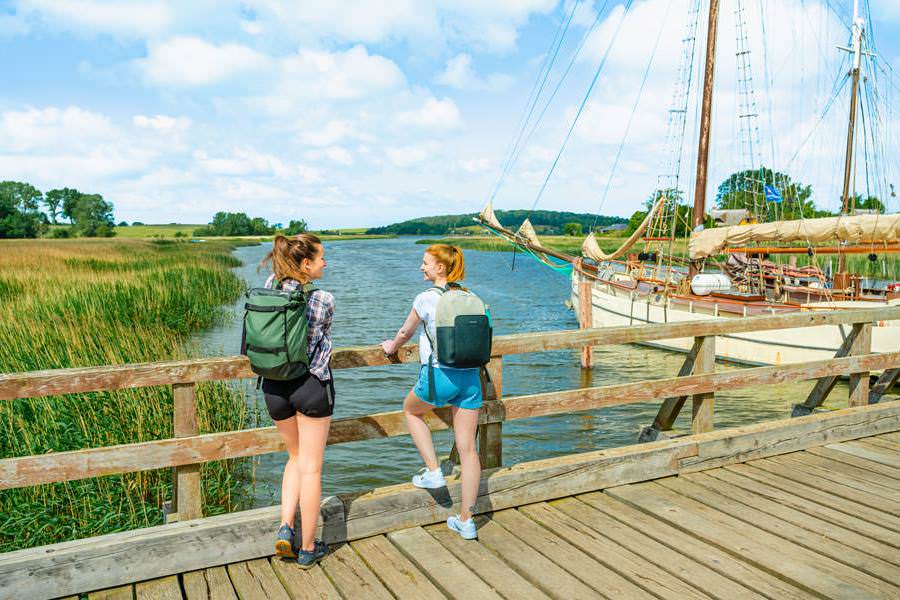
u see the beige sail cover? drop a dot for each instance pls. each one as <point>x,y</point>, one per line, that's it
<point>591,248</point>
<point>527,231</point>
<point>863,229</point>
<point>487,215</point>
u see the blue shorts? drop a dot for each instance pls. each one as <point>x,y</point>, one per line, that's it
<point>458,387</point>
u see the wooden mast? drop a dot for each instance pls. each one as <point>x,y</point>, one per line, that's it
<point>699,216</point>
<point>848,158</point>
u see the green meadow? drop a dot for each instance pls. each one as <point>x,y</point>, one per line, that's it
<point>77,303</point>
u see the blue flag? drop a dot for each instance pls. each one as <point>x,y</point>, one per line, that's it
<point>772,194</point>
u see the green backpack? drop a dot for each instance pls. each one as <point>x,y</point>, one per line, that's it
<point>276,332</point>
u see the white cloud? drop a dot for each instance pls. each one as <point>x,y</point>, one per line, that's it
<point>131,19</point>
<point>434,115</point>
<point>188,61</point>
<point>458,73</point>
<point>162,122</point>
<point>335,154</point>
<point>331,133</point>
<point>246,161</point>
<point>54,129</point>
<point>409,156</point>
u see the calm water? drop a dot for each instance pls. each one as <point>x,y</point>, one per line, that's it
<point>374,283</point>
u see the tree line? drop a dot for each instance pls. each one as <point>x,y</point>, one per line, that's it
<point>227,224</point>
<point>549,222</point>
<point>87,215</point>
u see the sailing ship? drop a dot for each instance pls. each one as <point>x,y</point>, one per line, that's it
<point>655,285</point>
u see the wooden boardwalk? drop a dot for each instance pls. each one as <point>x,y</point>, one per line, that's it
<point>820,523</point>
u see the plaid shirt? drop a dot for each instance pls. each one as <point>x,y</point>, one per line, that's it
<point>319,313</point>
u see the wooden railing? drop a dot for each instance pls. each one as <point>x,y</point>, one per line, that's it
<point>697,379</point>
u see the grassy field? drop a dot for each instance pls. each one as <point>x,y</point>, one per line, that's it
<point>73,303</point>
<point>156,231</point>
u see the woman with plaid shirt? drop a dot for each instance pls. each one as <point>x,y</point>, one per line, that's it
<point>302,408</point>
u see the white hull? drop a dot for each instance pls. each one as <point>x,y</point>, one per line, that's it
<point>613,306</point>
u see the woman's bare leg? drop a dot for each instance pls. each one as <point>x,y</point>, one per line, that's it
<point>290,480</point>
<point>415,409</point>
<point>465,424</point>
<point>313,434</point>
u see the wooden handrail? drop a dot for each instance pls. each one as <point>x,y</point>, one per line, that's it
<point>66,466</point>
<point>113,377</point>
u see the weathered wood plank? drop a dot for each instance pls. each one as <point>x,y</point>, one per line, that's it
<point>841,478</point>
<point>65,466</point>
<point>166,588</point>
<point>154,552</point>
<point>703,404</point>
<point>883,443</point>
<point>126,592</point>
<point>538,570</point>
<point>805,505</point>
<point>351,576</point>
<point>888,378</point>
<point>187,494</point>
<point>823,386</point>
<point>859,382</point>
<point>395,571</point>
<point>682,543</point>
<point>671,407</point>
<point>636,569</point>
<point>806,530</point>
<point>561,551</point>
<point>304,584</point>
<point>866,452</point>
<point>490,435</point>
<point>848,470</point>
<point>65,381</point>
<point>850,459</point>
<point>208,584</point>
<point>484,563</point>
<point>818,496</point>
<point>255,580</point>
<point>796,564</point>
<point>586,320</point>
<point>450,574</point>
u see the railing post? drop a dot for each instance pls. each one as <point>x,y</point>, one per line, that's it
<point>490,435</point>
<point>703,405</point>
<point>187,499</point>
<point>586,319</point>
<point>859,382</point>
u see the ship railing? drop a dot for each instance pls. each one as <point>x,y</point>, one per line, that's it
<point>697,380</point>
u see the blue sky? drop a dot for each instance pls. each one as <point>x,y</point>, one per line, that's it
<point>363,113</point>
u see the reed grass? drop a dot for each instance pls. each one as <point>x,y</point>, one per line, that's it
<point>73,303</point>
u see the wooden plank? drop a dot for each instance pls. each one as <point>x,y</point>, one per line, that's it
<point>859,382</point>
<point>810,531</point>
<point>187,495</point>
<point>887,379</point>
<point>304,584</point>
<point>561,551</point>
<point>351,576</point>
<point>137,555</point>
<point>850,459</point>
<point>538,570</point>
<point>395,571</point>
<point>815,494</point>
<point>681,543</point>
<point>671,407</point>
<point>484,563</point>
<point>869,487</point>
<point>66,466</point>
<point>703,404</point>
<point>883,443</point>
<point>657,556</point>
<point>843,468</point>
<point>636,569</point>
<point>113,377</point>
<point>166,588</point>
<point>255,580</point>
<point>126,592</point>
<point>867,452</point>
<point>450,574</point>
<point>797,565</point>
<point>824,385</point>
<point>586,319</point>
<point>208,584</point>
<point>804,504</point>
<point>490,435</point>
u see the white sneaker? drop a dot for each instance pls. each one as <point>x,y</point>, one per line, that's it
<point>464,528</point>
<point>429,479</point>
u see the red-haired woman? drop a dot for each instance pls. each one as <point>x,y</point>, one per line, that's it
<point>302,408</point>
<point>461,388</point>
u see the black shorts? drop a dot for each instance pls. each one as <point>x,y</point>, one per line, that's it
<point>306,395</point>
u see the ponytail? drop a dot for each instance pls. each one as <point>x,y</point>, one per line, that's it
<point>452,259</point>
<point>287,255</point>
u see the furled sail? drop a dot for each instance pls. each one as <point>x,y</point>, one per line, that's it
<point>487,215</point>
<point>526,231</point>
<point>861,229</point>
<point>591,248</point>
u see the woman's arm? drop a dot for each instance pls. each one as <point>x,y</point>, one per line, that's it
<point>406,331</point>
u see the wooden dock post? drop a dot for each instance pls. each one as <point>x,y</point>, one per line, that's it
<point>703,405</point>
<point>586,320</point>
<point>859,382</point>
<point>490,435</point>
<point>187,498</point>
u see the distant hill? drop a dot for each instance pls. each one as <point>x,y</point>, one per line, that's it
<point>544,221</point>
